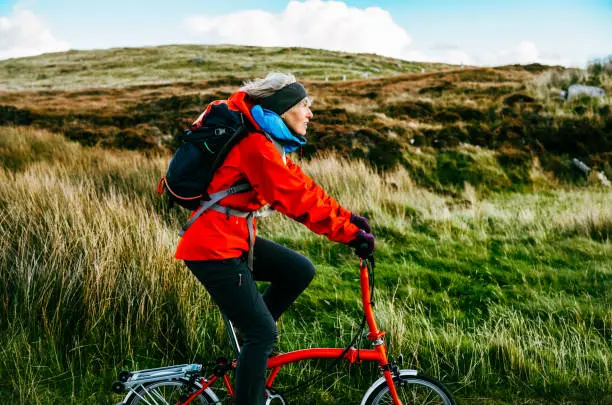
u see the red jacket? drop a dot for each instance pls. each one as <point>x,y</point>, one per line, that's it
<point>215,236</point>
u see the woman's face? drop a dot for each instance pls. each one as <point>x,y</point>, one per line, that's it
<point>298,116</point>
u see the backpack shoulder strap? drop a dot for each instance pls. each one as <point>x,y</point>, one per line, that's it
<point>278,146</point>
<point>238,134</point>
<point>214,198</point>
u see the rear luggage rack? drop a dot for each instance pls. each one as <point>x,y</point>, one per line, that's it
<point>130,379</point>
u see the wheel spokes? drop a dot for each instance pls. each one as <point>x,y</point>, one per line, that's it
<point>160,396</point>
<point>415,392</point>
<point>418,395</point>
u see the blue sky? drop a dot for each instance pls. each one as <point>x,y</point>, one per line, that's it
<point>566,32</point>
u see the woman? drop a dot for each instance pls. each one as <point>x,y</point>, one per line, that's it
<point>214,248</point>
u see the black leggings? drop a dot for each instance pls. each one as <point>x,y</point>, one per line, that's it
<point>232,286</point>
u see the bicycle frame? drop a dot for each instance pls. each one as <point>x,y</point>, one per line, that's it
<point>378,354</point>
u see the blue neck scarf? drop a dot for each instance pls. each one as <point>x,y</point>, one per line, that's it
<point>274,125</point>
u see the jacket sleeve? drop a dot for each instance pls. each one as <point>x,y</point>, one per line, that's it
<point>297,170</point>
<point>291,192</point>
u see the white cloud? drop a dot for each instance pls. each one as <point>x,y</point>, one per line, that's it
<point>23,33</point>
<point>312,23</point>
<point>524,52</point>
<point>336,26</point>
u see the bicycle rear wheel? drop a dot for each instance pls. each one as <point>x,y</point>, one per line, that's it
<point>411,390</point>
<point>169,392</point>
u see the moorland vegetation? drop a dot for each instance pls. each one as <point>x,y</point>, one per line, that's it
<point>494,271</point>
<point>419,116</point>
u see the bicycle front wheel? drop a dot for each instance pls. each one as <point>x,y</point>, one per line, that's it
<point>411,390</point>
<point>169,392</point>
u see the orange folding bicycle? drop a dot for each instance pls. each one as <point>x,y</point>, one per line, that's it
<point>185,384</point>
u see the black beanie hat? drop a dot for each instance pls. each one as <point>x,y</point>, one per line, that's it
<point>285,98</point>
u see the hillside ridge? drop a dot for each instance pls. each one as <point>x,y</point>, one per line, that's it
<point>119,67</point>
<point>430,122</point>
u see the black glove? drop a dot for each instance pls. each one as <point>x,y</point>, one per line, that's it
<point>363,244</point>
<point>361,222</point>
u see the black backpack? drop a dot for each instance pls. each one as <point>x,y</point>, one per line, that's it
<point>202,150</point>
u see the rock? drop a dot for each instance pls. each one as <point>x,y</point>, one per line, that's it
<point>583,168</point>
<point>576,90</point>
<point>603,179</point>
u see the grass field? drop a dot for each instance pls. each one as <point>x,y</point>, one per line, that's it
<point>121,67</point>
<point>506,297</point>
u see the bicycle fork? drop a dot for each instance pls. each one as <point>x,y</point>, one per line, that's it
<point>389,370</point>
<point>376,335</point>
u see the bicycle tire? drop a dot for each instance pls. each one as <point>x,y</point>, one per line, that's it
<point>170,391</point>
<point>411,390</point>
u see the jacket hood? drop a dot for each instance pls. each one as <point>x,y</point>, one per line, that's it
<point>238,102</point>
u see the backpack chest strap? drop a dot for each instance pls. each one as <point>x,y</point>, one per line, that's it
<point>212,204</point>
<point>214,198</point>
<point>250,225</point>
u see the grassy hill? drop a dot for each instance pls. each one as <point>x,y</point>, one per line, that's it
<point>431,123</point>
<point>493,251</point>
<point>121,67</point>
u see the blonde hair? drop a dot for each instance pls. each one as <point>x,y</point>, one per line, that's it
<point>260,88</point>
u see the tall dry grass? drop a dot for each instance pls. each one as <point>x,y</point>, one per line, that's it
<point>504,297</point>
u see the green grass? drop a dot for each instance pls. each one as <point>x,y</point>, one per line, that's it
<point>503,296</point>
<point>118,67</point>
